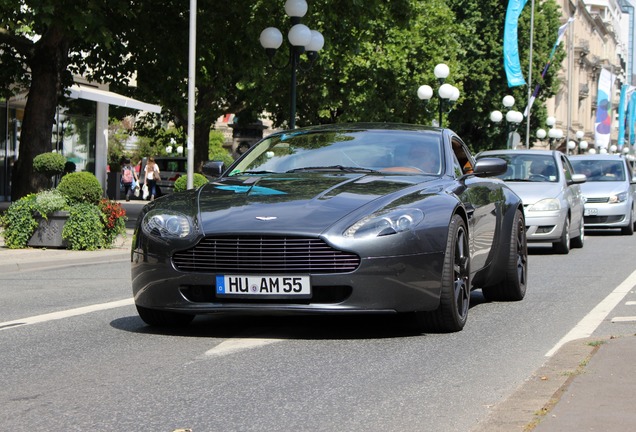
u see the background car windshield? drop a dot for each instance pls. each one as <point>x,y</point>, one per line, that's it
<point>354,149</point>
<point>600,170</point>
<point>533,168</point>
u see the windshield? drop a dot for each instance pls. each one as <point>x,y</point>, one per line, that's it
<point>403,152</point>
<point>599,170</point>
<point>529,168</point>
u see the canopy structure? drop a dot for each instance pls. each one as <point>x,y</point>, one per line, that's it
<point>78,91</point>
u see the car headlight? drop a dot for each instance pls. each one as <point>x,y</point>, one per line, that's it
<point>618,198</point>
<point>166,224</point>
<point>549,204</point>
<point>385,223</point>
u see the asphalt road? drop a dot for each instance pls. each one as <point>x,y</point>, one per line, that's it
<point>85,361</point>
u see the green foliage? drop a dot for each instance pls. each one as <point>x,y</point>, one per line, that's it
<point>18,222</point>
<point>216,151</point>
<point>83,229</point>
<point>80,187</point>
<point>181,183</point>
<point>49,164</point>
<point>49,201</point>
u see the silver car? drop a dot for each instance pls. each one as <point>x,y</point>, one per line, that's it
<point>551,195</point>
<point>609,192</point>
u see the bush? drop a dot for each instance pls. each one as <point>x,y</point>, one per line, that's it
<point>49,164</point>
<point>80,187</point>
<point>49,201</point>
<point>83,229</point>
<point>19,223</point>
<point>181,183</point>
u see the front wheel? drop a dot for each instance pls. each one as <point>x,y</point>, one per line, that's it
<point>563,245</point>
<point>159,318</point>
<point>579,241</point>
<point>629,229</point>
<point>452,313</point>
<point>513,285</point>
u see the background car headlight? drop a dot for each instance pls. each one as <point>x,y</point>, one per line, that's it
<point>618,198</point>
<point>550,204</point>
<point>166,224</point>
<point>386,223</point>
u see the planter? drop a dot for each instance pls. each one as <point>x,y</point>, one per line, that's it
<point>49,231</point>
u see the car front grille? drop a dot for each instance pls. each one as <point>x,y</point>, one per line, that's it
<point>257,254</point>
<point>599,200</point>
<point>603,219</point>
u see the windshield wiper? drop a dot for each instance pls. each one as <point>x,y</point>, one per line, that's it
<point>257,172</point>
<point>518,180</point>
<point>334,168</point>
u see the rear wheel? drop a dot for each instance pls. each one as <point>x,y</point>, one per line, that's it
<point>160,318</point>
<point>563,245</point>
<point>452,312</point>
<point>513,286</point>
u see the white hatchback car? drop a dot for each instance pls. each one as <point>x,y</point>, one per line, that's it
<point>551,195</point>
<point>610,191</point>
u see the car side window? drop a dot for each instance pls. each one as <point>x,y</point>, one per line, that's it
<point>567,169</point>
<point>463,159</point>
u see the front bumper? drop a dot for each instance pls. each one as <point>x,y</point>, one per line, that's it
<point>603,215</point>
<point>384,284</point>
<point>544,226</point>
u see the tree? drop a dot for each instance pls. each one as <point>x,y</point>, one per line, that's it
<point>42,44</point>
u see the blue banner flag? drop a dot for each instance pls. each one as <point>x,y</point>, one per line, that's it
<point>512,66</point>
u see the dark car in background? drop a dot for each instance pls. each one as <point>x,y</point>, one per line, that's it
<point>610,191</point>
<point>170,169</point>
<point>336,219</point>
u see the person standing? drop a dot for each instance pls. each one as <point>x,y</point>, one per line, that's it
<point>128,178</point>
<point>152,175</point>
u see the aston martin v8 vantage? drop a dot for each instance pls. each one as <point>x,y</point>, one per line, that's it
<point>336,219</point>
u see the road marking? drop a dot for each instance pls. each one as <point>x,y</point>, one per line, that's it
<point>592,320</point>
<point>630,303</point>
<point>232,346</point>
<point>65,314</point>
<point>624,319</point>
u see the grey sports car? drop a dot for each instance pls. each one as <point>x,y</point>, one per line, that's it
<point>348,218</point>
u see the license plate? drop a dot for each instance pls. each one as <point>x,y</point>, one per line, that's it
<point>590,212</point>
<point>262,286</point>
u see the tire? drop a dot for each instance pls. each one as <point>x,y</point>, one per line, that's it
<point>452,313</point>
<point>158,318</point>
<point>579,241</point>
<point>629,229</point>
<point>563,245</point>
<point>513,286</point>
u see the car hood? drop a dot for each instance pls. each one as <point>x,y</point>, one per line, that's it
<point>532,192</point>
<point>602,189</point>
<point>302,203</point>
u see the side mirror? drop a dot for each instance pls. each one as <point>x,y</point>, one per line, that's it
<point>578,178</point>
<point>489,167</point>
<point>213,168</point>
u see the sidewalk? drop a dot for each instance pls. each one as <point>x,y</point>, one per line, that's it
<point>589,384</point>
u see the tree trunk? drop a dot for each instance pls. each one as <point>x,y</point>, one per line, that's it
<point>49,61</point>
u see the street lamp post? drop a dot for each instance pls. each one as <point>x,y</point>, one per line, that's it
<point>447,94</point>
<point>513,119</point>
<point>301,40</point>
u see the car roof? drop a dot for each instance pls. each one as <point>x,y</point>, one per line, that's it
<point>507,151</point>
<point>361,126</point>
<point>598,157</point>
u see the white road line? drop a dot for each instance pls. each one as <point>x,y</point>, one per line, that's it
<point>65,314</point>
<point>234,345</point>
<point>592,320</point>
<point>624,319</point>
<point>630,303</point>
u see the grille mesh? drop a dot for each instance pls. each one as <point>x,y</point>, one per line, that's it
<point>597,200</point>
<point>250,255</point>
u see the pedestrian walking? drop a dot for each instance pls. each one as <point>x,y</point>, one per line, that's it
<point>129,179</point>
<point>152,175</point>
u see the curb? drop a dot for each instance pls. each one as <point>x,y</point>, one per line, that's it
<point>534,399</point>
